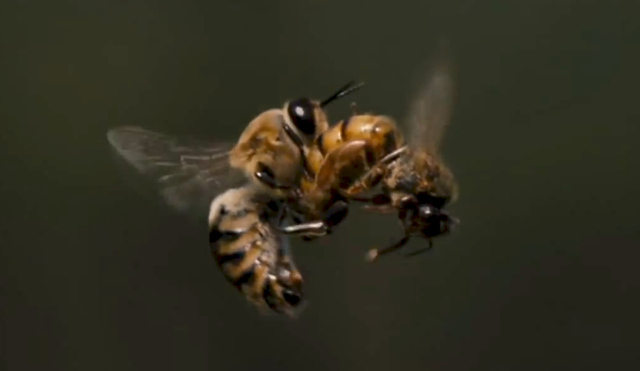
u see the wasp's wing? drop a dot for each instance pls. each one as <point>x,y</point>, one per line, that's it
<point>430,112</point>
<point>188,173</point>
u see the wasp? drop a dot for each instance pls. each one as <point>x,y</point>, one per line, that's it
<point>368,151</point>
<point>339,160</point>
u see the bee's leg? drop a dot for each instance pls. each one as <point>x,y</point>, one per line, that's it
<point>298,142</point>
<point>333,216</point>
<point>265,175</point>
<point>336,213</point>
<point>374,254</point>
<point>310,227</point>
<point>282,215</point>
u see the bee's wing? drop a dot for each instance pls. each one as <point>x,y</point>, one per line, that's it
<point>430,111</point>
<point>188,173</point>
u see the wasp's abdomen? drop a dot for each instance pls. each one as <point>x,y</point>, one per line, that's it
<point>380,132</point>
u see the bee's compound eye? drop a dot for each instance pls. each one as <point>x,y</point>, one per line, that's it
<point>291,297</point>
<point>301,112</point>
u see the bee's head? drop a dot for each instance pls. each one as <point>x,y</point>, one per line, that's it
<point>305,118</point>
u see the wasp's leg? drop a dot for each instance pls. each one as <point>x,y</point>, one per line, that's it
<point>374,254</point>
<point>393,155</point>
<point>342,166</point>
<point>382,209</point>
<point>379,199</point>
<point>420,251</point>
<point>368,181</point>
<point>375,174</point>
<point>379,203</point>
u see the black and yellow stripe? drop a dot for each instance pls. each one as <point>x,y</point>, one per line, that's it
<point>248,251</point>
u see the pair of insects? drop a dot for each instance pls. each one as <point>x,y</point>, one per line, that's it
<point>290,172</point>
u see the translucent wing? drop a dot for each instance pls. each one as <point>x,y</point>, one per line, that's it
<point>188,173</point>
<point>430,112</point>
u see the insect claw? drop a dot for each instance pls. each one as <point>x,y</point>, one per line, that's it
<point>372,255</point>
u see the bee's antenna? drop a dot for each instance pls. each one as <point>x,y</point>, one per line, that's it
<point>347,89</point>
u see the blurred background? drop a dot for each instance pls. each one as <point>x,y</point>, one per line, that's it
<point>541,273</point>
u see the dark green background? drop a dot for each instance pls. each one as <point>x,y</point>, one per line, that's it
<point>541,274</point>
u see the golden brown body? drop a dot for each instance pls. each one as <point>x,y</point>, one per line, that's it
<point>379,132</point>
<point>415,184</point>
<point>355,155</point>
<point>339,162</point>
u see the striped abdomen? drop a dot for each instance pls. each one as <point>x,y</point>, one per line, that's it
<point>253,258</point>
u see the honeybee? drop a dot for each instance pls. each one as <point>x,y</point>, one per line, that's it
<point>246,240</point>
<point>271,152</point>
<point>272,149</point>
<point>367,150</point>
<point>247,222</point>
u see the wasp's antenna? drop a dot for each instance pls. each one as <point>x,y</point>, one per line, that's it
<point>347,89</point>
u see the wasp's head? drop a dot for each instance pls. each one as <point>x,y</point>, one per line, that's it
<point>432,221</point>
<point>423,215</point>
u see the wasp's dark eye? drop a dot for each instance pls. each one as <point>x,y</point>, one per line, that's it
<point>428,199</point>
<point>301,113</point>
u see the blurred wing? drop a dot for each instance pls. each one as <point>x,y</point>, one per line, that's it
<point>430,112</point>
<point>188,173</point>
